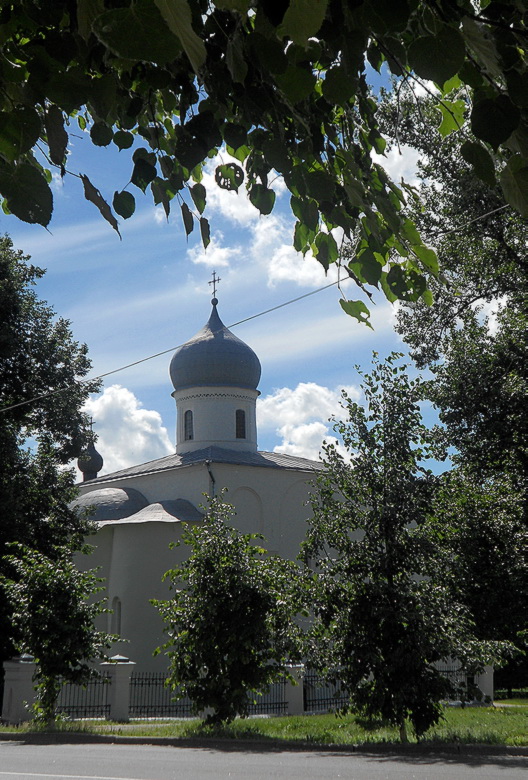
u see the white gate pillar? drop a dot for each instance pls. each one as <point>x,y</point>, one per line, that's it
<point>484,683</point>
<point>19,689</point>
<point>119,670</point>
<point>295,692</point>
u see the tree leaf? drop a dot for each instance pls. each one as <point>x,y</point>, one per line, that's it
<point>481,43</point>
<point>124,204</point>
<point>325,249</point>
<point>205,232</point>
<point>128,33</point>
<point>303,20</point>
<point>302,237</point>
<point>177,15</point>
<point>478,156</point>
<point>427,257</point>
<point>494,119</point>
<point>229,176</point>
<point>452,116</point>
<point>438,57</point>
<point>235,60</point>
<point>101,134</point>
<point>123,139</point>
<point>296,83</point>
<point>19,132</point>
<point>87,12</point>
<point>514,183</point>
<point>338,86</point>
<point>198,194</point>
<point>367,267</point>
<point>56,134</point>
<point>27,193</point>
<point>358,310</point>
<point>92,194</point>
<point>234,135</point>
<point>188,220</point>
<point>144,172</point>
<point>263,198</point>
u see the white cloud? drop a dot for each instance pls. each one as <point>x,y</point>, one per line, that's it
<point>400,163</point>
<point>215,256</point>
<point>127,433</point>
<point>301,417</point>
<point>489,311</point>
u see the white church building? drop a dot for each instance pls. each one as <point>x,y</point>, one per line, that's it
<point>140,510</point>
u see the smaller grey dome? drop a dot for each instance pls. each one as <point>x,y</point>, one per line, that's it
<point>168,510</point>
<point>215,356</point>
<point>112,503</point>
<point>90,462</point>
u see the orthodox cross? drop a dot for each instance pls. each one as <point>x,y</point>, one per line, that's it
<point>215,280</point>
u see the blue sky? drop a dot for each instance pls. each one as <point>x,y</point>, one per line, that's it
<point>149,292</point>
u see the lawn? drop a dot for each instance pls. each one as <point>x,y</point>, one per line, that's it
<point>470,725</point>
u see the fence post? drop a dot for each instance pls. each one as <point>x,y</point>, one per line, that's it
<point>484,683</point>
<point>19,689</point>
<point>119,669</point>
<point>295,693</point>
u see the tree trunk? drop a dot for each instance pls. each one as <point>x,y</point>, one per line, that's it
<point>403,732</point>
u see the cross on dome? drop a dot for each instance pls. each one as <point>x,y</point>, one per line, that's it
<point>214,281</point>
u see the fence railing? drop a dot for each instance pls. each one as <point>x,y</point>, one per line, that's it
<point>272,702</point>
<point>320,695</point>
<point>85,701</point>
<point>150,697</point>
<point>120,692</point>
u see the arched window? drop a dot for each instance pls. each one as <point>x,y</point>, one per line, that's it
<point>188,432</point>
<point>115,618</point>
<point>240,424</point>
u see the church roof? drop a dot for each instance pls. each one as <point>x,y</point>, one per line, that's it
<point>166,511</point>
<point>215,356</point>
<point>111,503</point>
<point>272,460</point>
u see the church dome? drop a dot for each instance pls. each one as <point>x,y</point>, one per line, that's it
<point>113,503</point>
<point>90,462</point>
<point>215,356</point>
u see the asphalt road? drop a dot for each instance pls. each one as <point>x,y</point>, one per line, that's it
<point>151,762</point>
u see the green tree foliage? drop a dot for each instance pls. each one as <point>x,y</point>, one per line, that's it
<point>383,614</point>
<point>481,389</point>
<point>479,366</point>
<point>230,619</point>
<point>283,86</point>
<point>37,356</point>
<point>480,241</point>
<point>484,528</point>
<point>54,621</point>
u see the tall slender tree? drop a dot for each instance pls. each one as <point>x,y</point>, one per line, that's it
<point>42,427</point>
<point>383,615</point>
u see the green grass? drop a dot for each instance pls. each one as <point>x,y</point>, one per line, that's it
<point>471,725</point>
<point>519,702</point>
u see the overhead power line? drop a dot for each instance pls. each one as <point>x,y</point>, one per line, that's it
<point>458,229</point>
<point>158,354</point>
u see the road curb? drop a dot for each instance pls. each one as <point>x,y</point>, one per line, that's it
<point>243,745</point>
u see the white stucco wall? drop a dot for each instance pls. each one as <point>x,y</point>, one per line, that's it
<point>133,556</point>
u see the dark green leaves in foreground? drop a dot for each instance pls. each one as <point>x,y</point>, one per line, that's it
<point>283,90</point>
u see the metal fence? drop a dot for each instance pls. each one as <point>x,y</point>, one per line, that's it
<point>85,701</point>
<point>151,698</point>
<point>451,669</point>
<point>272,702</point>
<point>320,695</point>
